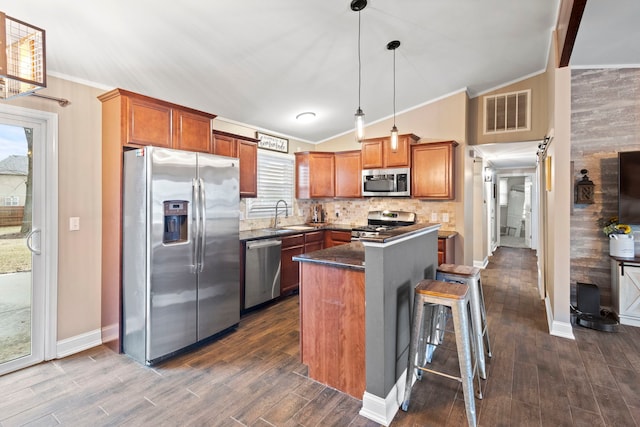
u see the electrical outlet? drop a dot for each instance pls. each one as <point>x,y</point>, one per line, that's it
<point>445,217</point>
<point>74,223</point>
<point>434,217</point>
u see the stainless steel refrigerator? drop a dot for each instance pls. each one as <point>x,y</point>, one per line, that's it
<point>180,250</point>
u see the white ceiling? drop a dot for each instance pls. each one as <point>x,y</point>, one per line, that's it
<point>262,62</point>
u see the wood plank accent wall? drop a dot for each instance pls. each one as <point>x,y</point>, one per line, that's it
<point>604,121</point>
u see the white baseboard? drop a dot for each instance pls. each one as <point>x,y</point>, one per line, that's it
<point>382,410</point>
<point>78,343</point>
<point>481,264</point>
<point>558,329</point>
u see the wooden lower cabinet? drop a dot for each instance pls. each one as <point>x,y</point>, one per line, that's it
<point>335,238</point>
<point>289,278</point>
<point>313,241</point>
<point>446,250</point>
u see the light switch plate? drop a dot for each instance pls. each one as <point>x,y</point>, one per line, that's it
<point>434,216</point>
<point>74,223</point>
<point>445,217</point>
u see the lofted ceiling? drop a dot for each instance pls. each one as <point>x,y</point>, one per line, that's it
<point>263,62</point>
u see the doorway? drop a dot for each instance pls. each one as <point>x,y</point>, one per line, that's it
<point>28,237</point>
<point>515,213</point>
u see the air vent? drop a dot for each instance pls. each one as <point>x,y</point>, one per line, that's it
<point>507,112</point>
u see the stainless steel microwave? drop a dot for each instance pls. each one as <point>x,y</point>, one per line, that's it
<point>386,182</point>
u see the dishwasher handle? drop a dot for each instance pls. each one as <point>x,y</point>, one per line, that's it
<point>263,244</point>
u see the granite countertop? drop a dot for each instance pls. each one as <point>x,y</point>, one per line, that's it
<point>350,255</point>
<point>446,234</point>
<point>270,233</point>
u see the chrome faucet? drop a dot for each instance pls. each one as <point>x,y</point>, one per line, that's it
<point>286,212</point>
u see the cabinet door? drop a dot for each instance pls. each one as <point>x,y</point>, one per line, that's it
<point>148,123</point>
<point>248,155</point>
<point>192,132</point>
<point>348,174</point>
<point>335,238</point>
<point>400,156</point>
<point>322,175</point>
<point>289,278</point>
<point>224,145</point>
<point>372,154</point>
<point>432,171</point>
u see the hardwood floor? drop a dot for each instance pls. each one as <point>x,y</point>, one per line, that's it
<point>253,377</point>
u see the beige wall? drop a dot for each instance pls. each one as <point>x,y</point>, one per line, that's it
<point>441,120</point>
<point>79,194</point>
<point>539,113</point>
<point>246,130</point>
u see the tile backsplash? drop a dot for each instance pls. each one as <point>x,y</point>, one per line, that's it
<point>354,212</point>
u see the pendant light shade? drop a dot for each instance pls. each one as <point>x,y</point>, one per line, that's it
<point>22,58</point>
<point>357,6</point>
<point>393,45</point>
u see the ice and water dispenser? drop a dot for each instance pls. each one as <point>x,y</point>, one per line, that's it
<point>175,221</point>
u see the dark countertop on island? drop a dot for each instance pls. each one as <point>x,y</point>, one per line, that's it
<point>350,255</point>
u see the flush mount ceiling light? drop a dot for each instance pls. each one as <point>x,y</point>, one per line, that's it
<point>306,117</point>
<point>357,6</point>
<point>22,58</point>
<point>393,45</point>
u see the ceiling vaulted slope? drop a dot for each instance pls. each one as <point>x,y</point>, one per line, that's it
<point>263,62</point>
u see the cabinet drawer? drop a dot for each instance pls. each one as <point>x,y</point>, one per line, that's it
<point>314,236</point>
<point>290,241</point>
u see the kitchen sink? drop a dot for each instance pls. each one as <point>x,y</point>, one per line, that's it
<point>276,230</point>
<point>299,227</point>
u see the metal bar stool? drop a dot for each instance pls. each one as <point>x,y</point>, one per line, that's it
<point>471,277</point>
<point>430,296</point>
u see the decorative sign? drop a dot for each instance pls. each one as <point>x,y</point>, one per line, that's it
<point>270,142</point>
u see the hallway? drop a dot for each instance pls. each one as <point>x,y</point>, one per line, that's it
<point>253,377</point>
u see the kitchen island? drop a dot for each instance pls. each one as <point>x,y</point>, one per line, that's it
<point>355,304</point>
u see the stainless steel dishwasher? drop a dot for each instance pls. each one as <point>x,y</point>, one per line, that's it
<point>261,271</point>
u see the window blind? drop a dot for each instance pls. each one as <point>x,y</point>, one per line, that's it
<point>275,182</point>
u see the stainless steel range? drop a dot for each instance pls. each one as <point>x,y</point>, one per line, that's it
<point>381,221</point>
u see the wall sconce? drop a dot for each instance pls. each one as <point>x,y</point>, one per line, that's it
<point>585,189</point>
<point>488,175</point>
<point>22,58</point>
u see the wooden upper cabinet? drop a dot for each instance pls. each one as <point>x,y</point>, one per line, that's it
<point>141,120</point>
<point>348,174</point>
<point>244,148</point>
<point>148,123</point>
<point>223,145</point>
<point>248,155</point>
<point>372,153</point>
<point>315,175</point>
<point>192,131</point>
<point>377,152</point>
<point>433,170</point>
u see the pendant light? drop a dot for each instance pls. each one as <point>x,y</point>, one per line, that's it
<point>357,6</point>
<point>393,45</point>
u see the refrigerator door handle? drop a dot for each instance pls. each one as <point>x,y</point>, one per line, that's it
<point>203,228</point>
<point>195,213</point>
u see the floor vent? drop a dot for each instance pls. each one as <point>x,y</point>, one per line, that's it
<point>507,112</point>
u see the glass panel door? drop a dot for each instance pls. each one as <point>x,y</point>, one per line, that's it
<point>15,227</point>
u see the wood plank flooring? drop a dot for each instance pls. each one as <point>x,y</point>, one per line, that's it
<point>253,376</point>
